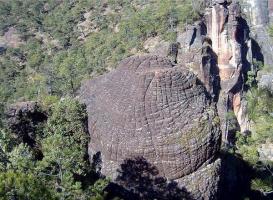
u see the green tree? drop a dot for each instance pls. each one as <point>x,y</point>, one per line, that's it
<point>65,148</point>
<point>64,171</point>
<point>14,185</point>
<point>260,109</point>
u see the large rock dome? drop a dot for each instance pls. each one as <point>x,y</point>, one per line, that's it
<point>147,107</point>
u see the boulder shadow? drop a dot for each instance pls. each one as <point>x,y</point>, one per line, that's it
<point>236,177</point>
<point>139,180</point>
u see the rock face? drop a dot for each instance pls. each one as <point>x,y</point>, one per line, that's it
<point>266,152</point>
<point>149,108</point>
<point>158,109</point>
<point>23,118</point>
<point>228,33</point>
<point>266,82</point>
<point>221,51</point>
<point>259,14</point>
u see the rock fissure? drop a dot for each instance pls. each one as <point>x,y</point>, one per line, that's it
<point>156,107</point>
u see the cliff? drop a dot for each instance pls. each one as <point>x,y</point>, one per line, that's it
<point>229,42</point>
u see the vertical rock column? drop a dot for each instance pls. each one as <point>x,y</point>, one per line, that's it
<point>228,36</point>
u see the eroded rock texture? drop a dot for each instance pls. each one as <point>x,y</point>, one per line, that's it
<point>149,108</point>
<point>228,42</point>
<point>220,50</point>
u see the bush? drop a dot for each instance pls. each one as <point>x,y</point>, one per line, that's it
<point>63,170</point>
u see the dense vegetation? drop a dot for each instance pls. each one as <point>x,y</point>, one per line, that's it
<point>64,42</point>
<point>62,171</point>
<point>54,46</point>
<point>249,146</point>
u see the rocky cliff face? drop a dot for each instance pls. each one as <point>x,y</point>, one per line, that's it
<point>259,14</point>
<point>226,30</point>
<point>149,108</point>
<point>231,40</point>
<point>257,11</point>
<point>222,48</point>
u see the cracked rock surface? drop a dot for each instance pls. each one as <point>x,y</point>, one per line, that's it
<point>147,107</point>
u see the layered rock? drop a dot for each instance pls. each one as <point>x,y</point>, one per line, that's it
<point>149,108</point>
<point>153,108</point>
<point>221,49</point>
